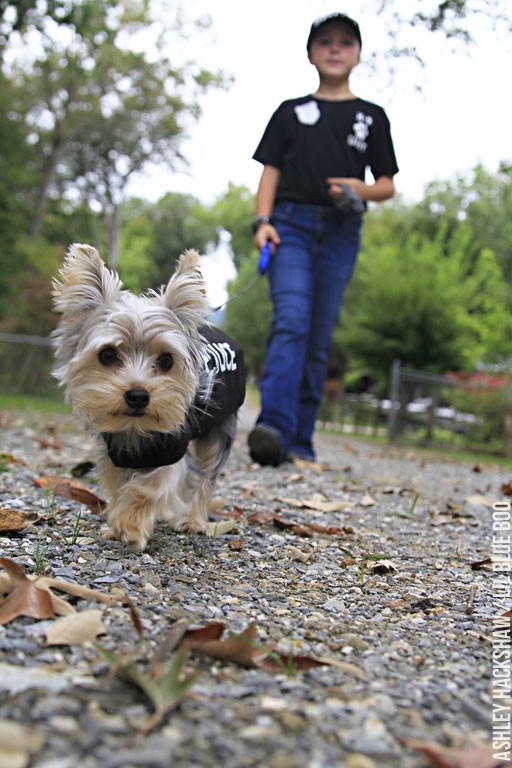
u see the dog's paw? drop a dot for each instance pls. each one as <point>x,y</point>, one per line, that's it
<point>192,526</point>
<point>134,538</point>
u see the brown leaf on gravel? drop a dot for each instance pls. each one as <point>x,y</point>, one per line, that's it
<point>244,649</point>
<point>506,489</point>
<point>330,530</point>
<point>304,529</point>
<point>70,489</point>
<point>479,755</point>
<point>318,503</point>
<point>380,566</point>
<point>235,513</point>
<point>287,525</point>
<point>77,590</point>
<point>450,515</point>
<point>11,520</point>
<point>260,516</point>
<point>20,589</point>
<point>25,598</point>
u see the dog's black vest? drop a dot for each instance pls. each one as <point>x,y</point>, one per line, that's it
<point>224,395</point>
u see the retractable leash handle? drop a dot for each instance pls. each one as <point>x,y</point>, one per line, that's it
<point>264,259</point>
<point>349,202</point>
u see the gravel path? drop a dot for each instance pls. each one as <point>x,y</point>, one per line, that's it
<point>407,636</point>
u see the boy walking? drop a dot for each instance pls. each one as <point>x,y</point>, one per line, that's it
<point>309,205</point>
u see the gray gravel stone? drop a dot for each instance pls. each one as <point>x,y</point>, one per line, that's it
<point>408,661</point>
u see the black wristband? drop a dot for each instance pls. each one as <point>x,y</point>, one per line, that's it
<point>258,221</point>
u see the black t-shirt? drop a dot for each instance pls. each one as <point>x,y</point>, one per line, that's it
<point>221,394</point>
<point>310,140</point>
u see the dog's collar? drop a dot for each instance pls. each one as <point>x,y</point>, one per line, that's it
<point>157,449</point>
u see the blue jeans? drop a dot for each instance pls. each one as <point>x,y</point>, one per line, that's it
<point>307,275</point>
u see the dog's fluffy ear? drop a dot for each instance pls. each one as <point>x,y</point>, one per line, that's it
<point>85,282</point>
<point>185,292</point>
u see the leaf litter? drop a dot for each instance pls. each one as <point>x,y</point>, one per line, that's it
<point>35,596</point>
<point>171,679</point>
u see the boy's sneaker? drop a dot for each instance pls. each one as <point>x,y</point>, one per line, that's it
<point>265,446</point>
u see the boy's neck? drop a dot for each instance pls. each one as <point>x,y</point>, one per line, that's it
<point>334,90</point>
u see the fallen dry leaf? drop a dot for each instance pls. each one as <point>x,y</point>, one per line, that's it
<point>367,501</point>
<point>380,566</point>
<point>25,597</point>
<point>77,590</point>
<point>450,515</point>
<point>297,554</point>
<point>235,513</point>
<point>330,530</point>
<point>75,629</point>
<point>317,502</point>
<point>11,521</point>
<point>260,516</point>
<point>479,500</point>
<point>20,590</point>
<point>245,650</point>
<point>70,489</point>
<point>220,527</point>
<point>479,755</point>
<point>286,525</point>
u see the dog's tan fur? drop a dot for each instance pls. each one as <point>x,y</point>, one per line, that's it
<point>98,314</point>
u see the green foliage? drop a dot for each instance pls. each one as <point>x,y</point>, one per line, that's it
<point>248,316</point>
<point>485,398</point>
<point>234,212</point>
<point>16,160</point>
<point>136,268</point>
<point>98,109</point>
<point>432,303</point>
<point>27,310</point>
<point>179,222</point>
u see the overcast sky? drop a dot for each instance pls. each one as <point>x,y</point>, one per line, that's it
<point>461,118</point>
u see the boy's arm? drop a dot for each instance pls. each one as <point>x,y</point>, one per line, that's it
<point>382,189</point>
<point>265,198</point>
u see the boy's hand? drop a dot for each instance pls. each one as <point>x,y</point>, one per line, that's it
<point>335,189</point>
<point>382,189</point>
<point>264,233</point>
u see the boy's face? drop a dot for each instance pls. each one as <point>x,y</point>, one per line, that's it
<point>334,49</point>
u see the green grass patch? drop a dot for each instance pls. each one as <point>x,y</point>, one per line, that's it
<point>32,404</point>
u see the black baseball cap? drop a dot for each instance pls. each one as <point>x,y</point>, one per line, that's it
<point>319,23</point>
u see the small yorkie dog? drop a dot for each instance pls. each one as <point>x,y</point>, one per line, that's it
<point>157,385</point>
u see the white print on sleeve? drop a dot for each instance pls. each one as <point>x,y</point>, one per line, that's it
<point>361,129</point>
<point>307,114</point>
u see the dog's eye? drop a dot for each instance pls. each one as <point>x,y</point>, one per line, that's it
<point>108,356</point>
<point>165,362</point>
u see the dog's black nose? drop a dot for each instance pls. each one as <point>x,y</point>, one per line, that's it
<point>136,398</point>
